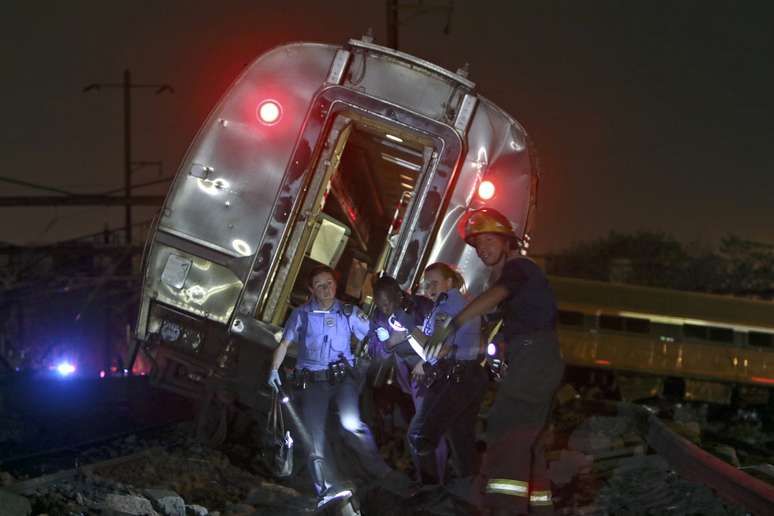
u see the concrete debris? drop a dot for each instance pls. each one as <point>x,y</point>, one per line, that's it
<point>130,504</point>
<point>597,464</point>
<point>691,430</point>
<point>727,453</point>
<point>600,433</point>
<point>567,466</point>
<point>566,394</point>
<point>166,502</point>
<point>646,485</point>
<point>687,413</point>
<point>12,504</point>
<point>6,479</point>
<point>239,509</point>
<point>195,510</point>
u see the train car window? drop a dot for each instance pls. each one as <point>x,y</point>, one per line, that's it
<point>693,331</point>
<point>636,325</point>
<point>760,339</point>
<point>611,322</point>
<point>721,334</point>
<point>570,318</point>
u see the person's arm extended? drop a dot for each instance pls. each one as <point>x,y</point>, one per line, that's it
<point>481,305</point>
<point>279,354</point>
<point>276,361</point>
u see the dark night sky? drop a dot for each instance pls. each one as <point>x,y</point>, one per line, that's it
<point>646,115</point>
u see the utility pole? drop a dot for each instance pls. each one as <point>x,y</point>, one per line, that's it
<point>127,86</point>
<point>416,8</point>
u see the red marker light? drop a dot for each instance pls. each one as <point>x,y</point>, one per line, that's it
<point>269,112</point>
<point>486,190</point>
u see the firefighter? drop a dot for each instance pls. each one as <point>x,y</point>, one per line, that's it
<point>453,385</point>
<point>514,469</point>
<point>399,313</point>
<point>322,330</point>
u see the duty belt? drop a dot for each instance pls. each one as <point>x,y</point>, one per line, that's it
<point>335,374</point>
<point>449,370</point>
<point>303,377</point>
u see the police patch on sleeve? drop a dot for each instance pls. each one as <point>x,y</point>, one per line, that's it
<point>361,315</point>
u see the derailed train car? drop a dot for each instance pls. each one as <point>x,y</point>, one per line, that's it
<point>356,156</point>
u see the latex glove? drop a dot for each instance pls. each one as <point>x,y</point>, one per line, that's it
<point>419,370</point>
<point>274,380</point>
<point>434,344</point>
<point>382,334</point>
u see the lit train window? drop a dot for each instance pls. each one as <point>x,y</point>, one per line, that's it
<point>570,318</point>
<point>758,338</point>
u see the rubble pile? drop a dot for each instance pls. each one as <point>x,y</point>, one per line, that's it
<point>646,485</point>
<point>599,465</point>
<point>604,466</point>
<point>184,479</point>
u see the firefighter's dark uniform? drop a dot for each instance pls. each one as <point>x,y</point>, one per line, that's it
<point>515,466</point>
<point>323,337</point>
<point>449,405</point>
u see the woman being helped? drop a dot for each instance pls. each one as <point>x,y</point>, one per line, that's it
<point>454,384</point>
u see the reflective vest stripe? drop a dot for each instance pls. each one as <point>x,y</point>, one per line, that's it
<point>507,487</point>
<point>540,498</point>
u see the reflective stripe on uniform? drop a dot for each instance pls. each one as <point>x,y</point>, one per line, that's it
<point>540,498</point>
<point>507,487</point>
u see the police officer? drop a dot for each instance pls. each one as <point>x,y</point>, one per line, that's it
<point>514,468</point>
<point>322,330</point>
<point>453,385</point>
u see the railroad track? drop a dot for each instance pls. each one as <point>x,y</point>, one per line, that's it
<point>655,470</point>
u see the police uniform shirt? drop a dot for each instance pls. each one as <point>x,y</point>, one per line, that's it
<point>324,335</point>
<point>467,339</point>
<point>530,306</point>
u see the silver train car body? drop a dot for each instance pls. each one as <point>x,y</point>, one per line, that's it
<point>367,162</point>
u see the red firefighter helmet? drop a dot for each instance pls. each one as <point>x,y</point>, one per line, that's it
<point>485,220</point>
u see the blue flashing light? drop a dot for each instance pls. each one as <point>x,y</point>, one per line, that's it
<point>65,368</point>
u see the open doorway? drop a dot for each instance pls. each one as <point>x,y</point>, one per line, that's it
<point>363,184</point>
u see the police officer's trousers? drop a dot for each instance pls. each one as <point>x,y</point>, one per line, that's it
<point>514,466</point>
<point>315,403</point>
<point>451,409</point>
